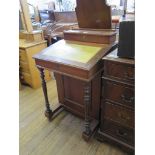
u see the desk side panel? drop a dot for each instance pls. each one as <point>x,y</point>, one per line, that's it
<point>71,94</point>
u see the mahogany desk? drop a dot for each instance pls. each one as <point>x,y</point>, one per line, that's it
<point>77,67</point>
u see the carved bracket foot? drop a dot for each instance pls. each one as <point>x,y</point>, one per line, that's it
<point>93,127</point>
<point>49,114</point>
<point>52,114</point>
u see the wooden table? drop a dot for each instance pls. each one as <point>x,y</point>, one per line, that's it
<point>77,67</point>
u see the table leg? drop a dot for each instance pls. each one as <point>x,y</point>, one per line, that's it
<point>48,111</point>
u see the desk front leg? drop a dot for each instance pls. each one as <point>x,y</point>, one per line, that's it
<point>91,124</point>
<point>50,114</point>
<point>87,102</point>
<point>48,111</point>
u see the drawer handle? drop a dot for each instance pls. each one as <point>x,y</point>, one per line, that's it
<point>126,99</point>
<point>123,117</point>
<point>121,133</point>
<point>126,75</point>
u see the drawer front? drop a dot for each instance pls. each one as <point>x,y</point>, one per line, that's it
<point>90,38</point>
<point>119,70</point>
<point>124,134</point>
<point>26,78</point>
<point>119,114</point>
<point>119,93</point>
<point>24,67</point>
<point>22,55</point>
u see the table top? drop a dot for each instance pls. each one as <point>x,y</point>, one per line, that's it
<point>23,43</point>
<point>73,53</point>
<point>113,57</point>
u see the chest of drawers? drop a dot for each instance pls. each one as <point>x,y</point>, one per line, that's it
<point>117,105</point>
<point>29,73</point>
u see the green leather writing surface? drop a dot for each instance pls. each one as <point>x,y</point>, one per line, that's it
<point>72,51</point>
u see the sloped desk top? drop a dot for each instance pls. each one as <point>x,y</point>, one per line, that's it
<point>78,59</point>
<point>72,51</point>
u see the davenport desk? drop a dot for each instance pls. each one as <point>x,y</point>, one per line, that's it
<point>77,67</point>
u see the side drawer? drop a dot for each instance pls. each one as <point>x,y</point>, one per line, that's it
<point>121,133</point>
<point>22,55</point>
<point>118,114</point>
<point>118,92</point>
<point>119,70</point>
<point>24,67</point>
<point>26,78</point>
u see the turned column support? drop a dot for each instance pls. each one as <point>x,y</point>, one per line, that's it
<point>48,111</point>
<point>87,102</point>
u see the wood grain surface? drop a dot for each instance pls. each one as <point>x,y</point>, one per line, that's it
<point>93,14</point>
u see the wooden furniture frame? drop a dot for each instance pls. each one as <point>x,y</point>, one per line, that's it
<point>84,72</point>
<point>28,72</point>
<point>118,102</point>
